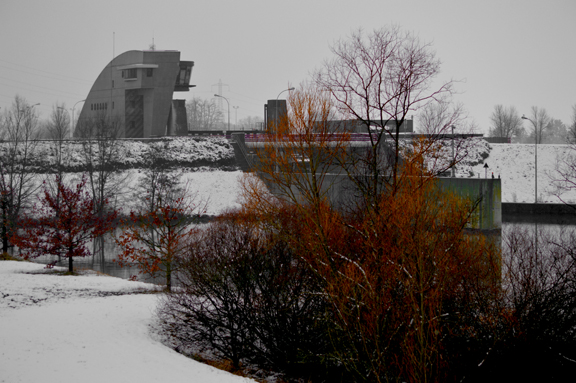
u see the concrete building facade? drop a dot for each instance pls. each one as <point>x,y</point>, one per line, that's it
<point>135,90</point>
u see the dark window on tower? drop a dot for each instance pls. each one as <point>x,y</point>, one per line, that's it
<point>129,73</point>
<point>149,72</point>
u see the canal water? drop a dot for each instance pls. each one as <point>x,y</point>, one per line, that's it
<point>105,261</point>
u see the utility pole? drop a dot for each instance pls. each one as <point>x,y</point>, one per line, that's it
<point>236,112</point>
<point>220,104</point>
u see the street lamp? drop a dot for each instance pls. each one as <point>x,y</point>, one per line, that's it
<point>60,135</point>
<point>535,158</point>
<point>285,90</point>
<point>277,109</point>
<point>236,123</point>
<point>29,109</point>
<point>217,95</point>
<point>453,159</point>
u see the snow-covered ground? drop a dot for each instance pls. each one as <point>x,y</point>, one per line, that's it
<point>89,328</point>
<point>190,151</point>
<point>94,328</point>
<point>514,163</point>
<point>215,189</point>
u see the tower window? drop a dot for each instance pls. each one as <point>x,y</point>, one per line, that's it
<point>129,73</point>
<point>149,72</point>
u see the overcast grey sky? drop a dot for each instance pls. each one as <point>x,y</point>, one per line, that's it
<point>519,53</point>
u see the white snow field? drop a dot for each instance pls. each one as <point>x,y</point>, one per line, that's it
<point>59,329</point>
<point>92,328</point>
<point>514,163</point>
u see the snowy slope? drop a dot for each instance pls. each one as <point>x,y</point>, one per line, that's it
<point>58,329</point>
<point>514,163</point>
<point>172,151</point>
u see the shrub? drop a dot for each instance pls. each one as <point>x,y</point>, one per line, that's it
<point>536,340</point>
<point>247,297</point>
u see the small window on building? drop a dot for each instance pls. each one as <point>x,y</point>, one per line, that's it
<point>149,72</point>
<point>129,74</point>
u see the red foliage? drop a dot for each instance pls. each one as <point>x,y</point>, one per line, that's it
<point>154,239</point>
<point>63,223</point>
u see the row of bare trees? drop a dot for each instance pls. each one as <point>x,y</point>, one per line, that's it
<point>19,185</point>
<point>507,122</point>
<point>70,212</point>
<point>205,114</point>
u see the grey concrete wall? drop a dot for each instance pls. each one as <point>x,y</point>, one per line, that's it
<point>488,191</point>
<point>341,191</point>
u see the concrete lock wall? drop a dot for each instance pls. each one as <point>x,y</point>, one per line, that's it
<point>487,217</point>
<point>488,191</point>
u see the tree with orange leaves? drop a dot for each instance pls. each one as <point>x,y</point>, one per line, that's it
<point>394,265</point>
<point>63,223</point>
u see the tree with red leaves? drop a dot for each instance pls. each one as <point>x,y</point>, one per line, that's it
<point>63,223</point>
<point>153,239</point>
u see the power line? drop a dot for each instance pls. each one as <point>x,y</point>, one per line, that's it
<point>35,70</point>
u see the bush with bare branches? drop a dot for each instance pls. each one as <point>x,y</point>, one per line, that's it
<point>245,296</point>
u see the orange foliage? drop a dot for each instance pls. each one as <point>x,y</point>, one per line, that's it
<point>390,267</point>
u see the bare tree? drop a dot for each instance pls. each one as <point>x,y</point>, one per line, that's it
<point>540,121</point>
<point>564,176</point>
<point>203,114</point>
<point>556,132</point>
<point>58,129</point>
<point>250,123</point>
<point>572,127</point>
<point>101,151</point>
<point>506,122</point>
<point>379,77</point>
<point>18,133</point>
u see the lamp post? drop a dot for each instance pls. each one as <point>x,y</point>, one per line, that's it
<point>29,109</point>
<point>236,110</point>
<point>72,122</point>
<point>453,159</point>
<point>535,183</point>
<point>61,135</point>
<point>217,95</point>
<point>285,90</point>
<point>535,158</point>
<point>277,109</point>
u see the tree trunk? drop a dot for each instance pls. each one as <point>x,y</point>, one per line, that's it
<point>70,260</point>
<point>4,227</point>
<point>169,276</point>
